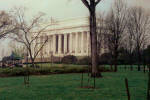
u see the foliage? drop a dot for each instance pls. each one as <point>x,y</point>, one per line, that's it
<point>56,69</point>
<point>70,59</point>
<point>124,57</point>
<point>103,59</point>
<point>84,61</point>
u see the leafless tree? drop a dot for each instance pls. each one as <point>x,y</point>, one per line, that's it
<point>129,45</point>
<point>116,24</point>
<point>101,30</point>
<point>139,22</point>
<point>7,25</point>
<point>91,5</point>
<point>29,32</point>
<point>138,27</point>
<point>108,44</point>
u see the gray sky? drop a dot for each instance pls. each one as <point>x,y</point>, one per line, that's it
<point>53,8</point>
<point>59,9</point>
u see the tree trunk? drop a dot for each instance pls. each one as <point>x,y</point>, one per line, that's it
<point>148,90</point>
<point>125,66</point>
<point>115,63</point>
<point>32,62</point>
<point>131,66</point>
<point>139,60</point>
<point>144,68</point>
<point>115,67</point>
<point>139,67</point>
<point>111,67</point>
<point>93,35</point>
<point>144,62</point>
<point>31,58</point>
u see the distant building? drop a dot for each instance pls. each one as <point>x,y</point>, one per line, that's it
<point>66,37</point>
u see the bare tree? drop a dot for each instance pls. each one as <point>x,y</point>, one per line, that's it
<point>7,25</point>
<point>91,5</point>
<point>138,26</point>
<point>107,40</point>
<point>101,30</point>
<point>116,24</point>
<point>129,45</point>
<point>29,32</point>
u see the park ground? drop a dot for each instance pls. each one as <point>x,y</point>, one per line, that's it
<point>67,87</point>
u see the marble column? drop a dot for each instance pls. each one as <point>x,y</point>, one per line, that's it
<point>82,42</point>
<point>41,42</point>
<point>44,39</point>
<point>65,43</point>
<point>33,45</point>
<point>70,43</point>
<point>88,42</point>
<point>41,39</point>
<point>76,43</point>
<point>49,44</point>
<point>54,44</point>
<point>59,43</point>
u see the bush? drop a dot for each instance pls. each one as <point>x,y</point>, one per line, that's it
<point>84,61</point>
<point>70,59</point>
<point>47,70</point>
<point>12,71</point>
<point>103,69</point>
<point>105,58</point>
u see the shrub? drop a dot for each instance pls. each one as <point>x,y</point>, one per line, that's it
<point>47,70</point>
<point>35,65</point>
<point>84,61</point>
<point>103,69</point>
<point>13,71</point>
<point>70,59</point>
<point>42,71</point>
<point>18,65</point>
<point>105,58</point>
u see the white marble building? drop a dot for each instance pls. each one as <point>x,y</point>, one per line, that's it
<point>67,37</point>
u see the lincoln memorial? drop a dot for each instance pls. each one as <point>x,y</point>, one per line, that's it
<point>66,37</point>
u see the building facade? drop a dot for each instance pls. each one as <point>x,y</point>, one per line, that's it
<point>66,37</point>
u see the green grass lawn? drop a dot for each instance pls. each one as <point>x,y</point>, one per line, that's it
<point>67,87</point>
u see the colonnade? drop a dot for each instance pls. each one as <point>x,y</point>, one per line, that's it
<point>75,43</point>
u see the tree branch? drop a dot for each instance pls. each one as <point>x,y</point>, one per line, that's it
<point>35,55</point>
<point>86,3</point>
<point>97,2</point>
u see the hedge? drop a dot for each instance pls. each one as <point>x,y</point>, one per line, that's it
<point>4,72</point>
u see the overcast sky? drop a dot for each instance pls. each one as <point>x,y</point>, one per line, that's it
<point>53,8</point>
<point>59,9</point>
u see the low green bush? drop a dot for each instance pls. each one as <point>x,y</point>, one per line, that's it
<point>46,70</point>
<point>84,61</point>
<point>12,71</point>
<point>70,59</point>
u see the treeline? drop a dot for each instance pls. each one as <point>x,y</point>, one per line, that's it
<point>123,35</point>
<point>124,57</point>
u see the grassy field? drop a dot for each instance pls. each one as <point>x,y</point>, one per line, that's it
<point>67,87</point>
